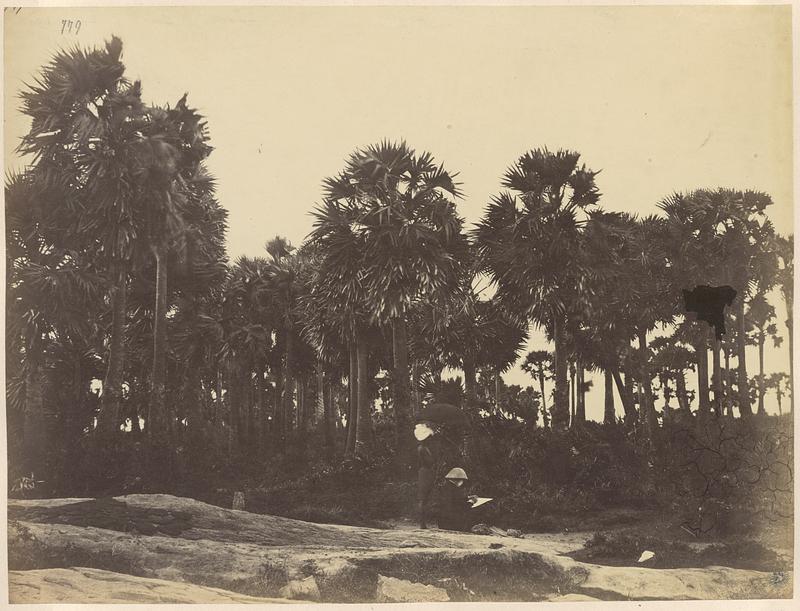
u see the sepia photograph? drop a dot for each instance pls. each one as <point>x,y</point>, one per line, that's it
<point>399,304</point>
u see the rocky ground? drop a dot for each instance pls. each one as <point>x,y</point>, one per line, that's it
<point>160,548</point>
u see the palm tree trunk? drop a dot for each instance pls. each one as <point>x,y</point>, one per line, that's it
<point>364,423</point>
<point>788,301</point>
<point>416,373</point>
<point>277,408</point>
<point>75,423</point>
<point>162,421</point>
<point>727,401</point>
<point>234,399</point>
<point>667,391</point>
<point>642,405</point>
<point>302,414</point>
<point>540,374</point>
<point>581,409</point>
<point>627,397</point>
<point>470,384</point>
<point>218,407</point>
<point>630,388</point>
<point>245,434</point>
<point>741,344</point>
<point>609,413</point>
<point>572,395</point>
<point>260,403</point>
<point>111,400</point>
<point>401,385</point>
<point>194,412</point>
<point>327,417</point>
<point>701,348</point>
<point>287,406</point>
<point>791,359</point>
<point>647,402</point>
<point>683,397</point>
<point>301,404</point>
<point>35,425</point>
<point>761,389</point>
<point>319,411</point>
<point>716,377</point>
<point>496,391</point>
<point>352,409</point>
<point>337,398</point>
<point>560,415</point>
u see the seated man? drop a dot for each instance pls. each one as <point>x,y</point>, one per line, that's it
<point>455,503</point>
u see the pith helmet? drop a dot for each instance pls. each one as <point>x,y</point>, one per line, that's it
<point>456,473</point>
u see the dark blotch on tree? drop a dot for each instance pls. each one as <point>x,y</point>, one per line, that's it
<point>709,302</point>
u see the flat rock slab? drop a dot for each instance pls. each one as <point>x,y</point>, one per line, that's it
<point>392,590</point>
<point>166,515</point>
<point>84,585</point>
<point>163,537</point>
<point>709,583</point>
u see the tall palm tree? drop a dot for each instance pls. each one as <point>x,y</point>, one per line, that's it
<point>760,315</point>
<point>169,173</point>
<point>528,239</point>
<point>334,308</point>
<point>53,302</point>
<point>84,126</point>
<point>716,238</point>
<point>649,298</point>
<point>400,209</point>
<point>785,279</point>
<point>605,322</point>
<point>283,269</point>
<point>251,319</point>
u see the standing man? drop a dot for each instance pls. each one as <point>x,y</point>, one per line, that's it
<point>426,476</point>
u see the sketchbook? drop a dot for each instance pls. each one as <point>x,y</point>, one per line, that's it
<point>480,501</point>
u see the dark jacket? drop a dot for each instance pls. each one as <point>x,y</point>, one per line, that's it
<point>427,470</point>
<point>454,508</point>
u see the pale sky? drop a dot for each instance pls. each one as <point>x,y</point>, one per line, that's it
<point>660,99</point>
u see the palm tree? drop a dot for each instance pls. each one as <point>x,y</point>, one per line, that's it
<point>539,364</point>
<point>84,126</point>
<point>785,280</point>
<point>778,382</point>
<point>649,298</point>
<point>399,209</point>
<point>169,173</point>
<point>335,305</point>
<point>605,321</point>
<point>748,236</point>
<point>760,315</point>
<point>528,240</point>
<point>691,248</point>
<point>671,361</point>
<point>282,273</point>
<point>53,298</point>
<point>324,327</point>
<point>719,237</point>
<point>477,334</point>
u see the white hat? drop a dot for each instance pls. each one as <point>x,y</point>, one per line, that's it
<point>422,431</point>
<point>456,473</point>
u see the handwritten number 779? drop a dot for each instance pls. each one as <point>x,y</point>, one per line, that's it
<point>70,27</point>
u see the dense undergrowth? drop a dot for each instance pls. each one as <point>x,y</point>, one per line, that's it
<point>693,481</point>
<point>705,481</point>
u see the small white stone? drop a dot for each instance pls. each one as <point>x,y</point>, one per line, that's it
<point>646,555</point>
